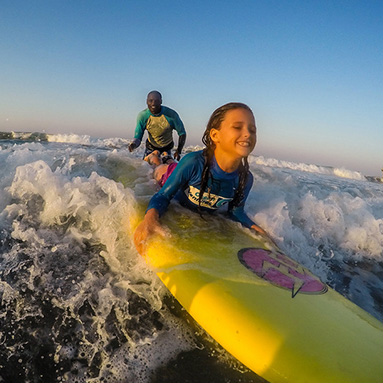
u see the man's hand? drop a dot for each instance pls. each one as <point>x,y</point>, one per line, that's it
<point>177,155</point>
<point>132,146</point>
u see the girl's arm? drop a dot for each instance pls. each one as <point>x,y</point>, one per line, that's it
<point>178,180</point>
<point>160,202</point>
<point>238,213</point>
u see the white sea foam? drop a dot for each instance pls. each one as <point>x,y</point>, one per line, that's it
<point>88,140</point>
<point>310,168</point>
<point>70,138</point>
<point>61,218</point>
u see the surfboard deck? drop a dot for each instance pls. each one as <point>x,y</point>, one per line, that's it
<point>264,308</point>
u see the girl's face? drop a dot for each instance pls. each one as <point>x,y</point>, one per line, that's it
<point>237,135</point>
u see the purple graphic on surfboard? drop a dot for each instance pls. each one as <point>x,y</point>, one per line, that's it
<point>281,271</point>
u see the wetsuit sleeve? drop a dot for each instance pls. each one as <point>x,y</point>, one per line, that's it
<point>179,126</point>
<point>142,119</point>
<point>178,180</point>
<point>238,213</point>
<point>176,120</point>
<point>181,143</point>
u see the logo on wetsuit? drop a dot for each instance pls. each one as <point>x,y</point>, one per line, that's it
<point>211,201</point>
<point>159,130</point>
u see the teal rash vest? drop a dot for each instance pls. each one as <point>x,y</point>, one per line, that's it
<point>159,126</point>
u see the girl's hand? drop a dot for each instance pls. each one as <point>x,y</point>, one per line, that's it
<point>262,232</point>
<point>149,226</point>
<point>259,230</point>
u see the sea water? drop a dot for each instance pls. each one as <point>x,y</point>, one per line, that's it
<point>79,304</point>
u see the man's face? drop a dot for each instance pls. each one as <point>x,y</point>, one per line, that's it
<point>154,102</point>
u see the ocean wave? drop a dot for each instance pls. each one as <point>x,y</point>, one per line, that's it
<point>310,168</point>
<point>65,138</point>
<point>118,142</point>
<point>24,136</point>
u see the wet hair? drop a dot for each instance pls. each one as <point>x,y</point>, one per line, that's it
<point>154,92</point>
<point>215,123</point>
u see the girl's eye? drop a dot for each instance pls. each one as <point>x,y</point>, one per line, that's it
<point>252,130</point>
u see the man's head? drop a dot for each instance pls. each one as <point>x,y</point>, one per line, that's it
<point>154,101</point>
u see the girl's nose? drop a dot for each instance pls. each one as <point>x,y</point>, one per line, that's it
<point>247,131</point>
<point>250,131</point>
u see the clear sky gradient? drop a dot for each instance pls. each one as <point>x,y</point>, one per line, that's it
<point>312,71</point>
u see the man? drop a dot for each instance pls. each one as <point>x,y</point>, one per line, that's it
<point>159,121</point>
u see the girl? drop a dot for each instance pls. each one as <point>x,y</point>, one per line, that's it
<point>210,179</point>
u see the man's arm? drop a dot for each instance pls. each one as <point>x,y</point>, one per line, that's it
<point>177,124</point>
<point>142,119</point>
<point>181,143</point>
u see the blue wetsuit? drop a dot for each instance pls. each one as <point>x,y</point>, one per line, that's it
<point>160,128</point>
<point>184,185</point>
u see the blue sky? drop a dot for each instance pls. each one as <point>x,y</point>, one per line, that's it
<point>312,71</point>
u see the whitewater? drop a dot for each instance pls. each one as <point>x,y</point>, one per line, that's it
<point>78,303</point>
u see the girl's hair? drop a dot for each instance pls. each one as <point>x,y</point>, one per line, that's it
<point>215,123</point>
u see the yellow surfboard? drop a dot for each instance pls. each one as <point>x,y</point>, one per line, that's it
<point>267,310</point>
